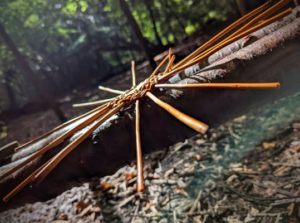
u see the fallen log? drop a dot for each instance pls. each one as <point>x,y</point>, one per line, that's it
<point>272,57</point>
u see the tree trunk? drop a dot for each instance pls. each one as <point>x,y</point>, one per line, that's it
<point>20,59</point>
<point>173,14</point>
<point>241,6</point>
<point>151,14</point>
<point>40,94</point>
<point>8,76</point>
<point>137,32</point>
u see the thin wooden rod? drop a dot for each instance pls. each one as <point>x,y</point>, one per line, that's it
<point>170,64</point>
<point>264,15</point>
<point>55,142</point>
<point>170,53</point>
<point>133,75</point>
<point>225,43</point>
<point>223,33</point>
<point>58,128</point>
<point>188,120</point>
<point>70,147</point>
<point>23,184</point>
<point>160,65</point>
<point>93,103</point>
<point>239,36</point>
<point>139,154</point>
<point>222,85</point>
<point>110,90</point>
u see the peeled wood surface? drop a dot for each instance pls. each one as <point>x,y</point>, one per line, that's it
<point>115,145</point>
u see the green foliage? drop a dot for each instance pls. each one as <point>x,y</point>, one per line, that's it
<point>56,35</point>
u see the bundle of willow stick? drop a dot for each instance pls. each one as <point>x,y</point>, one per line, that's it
<point>105,109</point>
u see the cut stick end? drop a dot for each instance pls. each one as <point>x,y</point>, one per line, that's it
<point>203,128</point>
<point>5,200</point>
<point>140,190</point>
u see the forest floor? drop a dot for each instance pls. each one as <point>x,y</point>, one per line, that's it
<point>246,170</point>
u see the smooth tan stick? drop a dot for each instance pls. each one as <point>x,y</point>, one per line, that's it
<point>110,90</point>
<point>24,183</point>
<point>170,53</point>
<point>222,85</point>
<point>255,20</point>
<point>224,32</point>
<point>93,103</point>
<point>133,76</point>
<point>264,15</point>
<point>240,35</point>
<point>139,154</point>
<point>225,43</point>
<point>54,143</point>
<point>57,128</point>
<point>69,148</point>
<point>170,64</point>
<point>188,120</point>
<point>155,72</point>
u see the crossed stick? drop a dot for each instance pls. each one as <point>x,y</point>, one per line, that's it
<point>253,21</point>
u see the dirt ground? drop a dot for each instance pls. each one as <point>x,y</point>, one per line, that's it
<point>220,177</point>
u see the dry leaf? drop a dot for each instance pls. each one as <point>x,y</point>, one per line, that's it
<point>129,176</point>
<point>79,206</point>
<point>106,186</point>
<point>290,209</point>
<point>280,171</point>
<point>268,145</point>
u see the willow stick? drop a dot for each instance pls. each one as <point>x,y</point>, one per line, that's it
<point>139,154</point>
<point>225,43</point>
<point>70,147</point>
<point>170,53</point>
<point>239,36</point>
<point>184,118</point>
<point>260,17</point>
<point>170,64</point>
<point>23,184</point>
<point>160,65</point>
<point>223,33</point>
<point>93,103</point>
<point>266,85</point>
<point>110,90</point>
<point>133,75</point>
<point>57,128</point>
<point>264,15</point>
<point>55,142</point>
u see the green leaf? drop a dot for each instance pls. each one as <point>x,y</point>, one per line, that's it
<point>107,8</point>
<point>70,8</point>
<point>32,21</point>
<point>189,29</point>
<point>83,6</point>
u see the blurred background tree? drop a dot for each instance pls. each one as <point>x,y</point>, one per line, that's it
<point>48,48</point>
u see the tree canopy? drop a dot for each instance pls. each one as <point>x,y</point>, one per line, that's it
<point>67,42</point>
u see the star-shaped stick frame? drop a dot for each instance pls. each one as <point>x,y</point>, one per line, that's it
<point>105,109</point>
